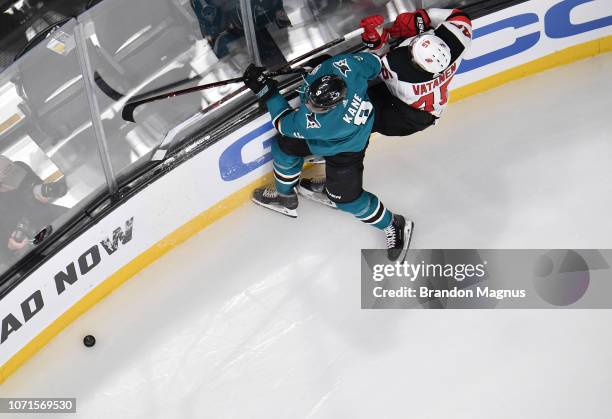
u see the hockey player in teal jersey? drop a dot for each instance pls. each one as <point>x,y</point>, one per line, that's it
<point>334,120</point>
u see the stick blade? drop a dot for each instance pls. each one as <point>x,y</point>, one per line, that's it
<point>106,88</point>
<point>128,112</point>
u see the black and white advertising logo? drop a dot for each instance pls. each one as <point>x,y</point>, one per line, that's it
<point>14,318</point>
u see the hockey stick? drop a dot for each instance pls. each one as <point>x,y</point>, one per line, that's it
<point>128,110</point>
<point>117,96</point>
<point>162,150</point>
<point>105,87</point>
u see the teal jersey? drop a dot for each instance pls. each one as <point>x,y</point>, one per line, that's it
<point>346,127</point>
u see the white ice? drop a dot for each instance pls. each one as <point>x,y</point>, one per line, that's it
<point>258,316</point>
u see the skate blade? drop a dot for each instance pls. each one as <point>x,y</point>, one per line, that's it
<point>316,197</point>
<point>408,229</point>
<point>277,208</point>
<point>314,160</point>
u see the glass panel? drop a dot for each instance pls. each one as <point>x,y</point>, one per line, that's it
<point>444,4</point>
<point>20,21</point>
<point>289,28</point>
<point>137,46</point>
<point>49,162</point>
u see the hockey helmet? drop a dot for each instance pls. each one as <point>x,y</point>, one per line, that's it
<point>430,53</point>
<point>325,93</point>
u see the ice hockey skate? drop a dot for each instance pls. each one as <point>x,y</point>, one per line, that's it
<point>314,160</point>
<point>314,189</point>
<point>398,236</point>
<point>268,197</point>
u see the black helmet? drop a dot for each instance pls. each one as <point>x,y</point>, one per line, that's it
<point>324,93</point>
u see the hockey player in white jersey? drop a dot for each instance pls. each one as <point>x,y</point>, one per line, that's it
<point>418,71</point>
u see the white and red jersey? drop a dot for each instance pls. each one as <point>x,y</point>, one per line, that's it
<point>416,87</point>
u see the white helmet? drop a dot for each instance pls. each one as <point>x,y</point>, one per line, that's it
<point>431,53</point>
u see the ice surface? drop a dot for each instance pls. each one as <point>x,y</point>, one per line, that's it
<point>258,316</point>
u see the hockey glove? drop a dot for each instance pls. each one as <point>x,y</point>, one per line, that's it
<point>255,79</point>
<point>374,35</point>
<point>410,24</point>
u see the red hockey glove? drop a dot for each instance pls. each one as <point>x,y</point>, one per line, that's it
<point>262,85</point>
<point>410,24</point>
<point>373,20</point>
<point>374,35</point>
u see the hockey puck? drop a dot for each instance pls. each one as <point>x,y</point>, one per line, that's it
<point>89,341</point>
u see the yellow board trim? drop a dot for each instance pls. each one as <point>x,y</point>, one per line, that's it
<point>238,198</point>
<point>149,256</point>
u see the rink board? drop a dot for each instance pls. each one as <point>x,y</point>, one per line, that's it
<point>509,44</point>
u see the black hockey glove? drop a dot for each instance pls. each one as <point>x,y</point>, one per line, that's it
<point>263,86</point>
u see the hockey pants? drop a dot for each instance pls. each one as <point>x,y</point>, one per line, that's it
<point>392,117</point>
<point>344,180</point>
